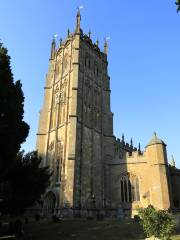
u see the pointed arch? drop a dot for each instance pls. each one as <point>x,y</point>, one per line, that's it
<point>129,184</point>
<point>50,201</point>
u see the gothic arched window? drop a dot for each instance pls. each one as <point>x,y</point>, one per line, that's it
<point>59,161</point>
<point>122,191</point>
<point>53,118</point>
<point>65,63</point>
<point>129,189</point>
<point>87,61</point>
<point>125,192</point>
<point>58,67</point>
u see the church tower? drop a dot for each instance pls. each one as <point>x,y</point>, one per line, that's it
<point>76,124</point>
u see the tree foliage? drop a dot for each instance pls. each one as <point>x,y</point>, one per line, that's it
<point>27,182</point>
<point>13,130</point>
<point>178,5</point>
<point>157,223</point>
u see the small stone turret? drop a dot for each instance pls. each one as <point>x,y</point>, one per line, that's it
<point>105,47</point>
<point>53,49</point>
<point>155,140</point>
<point>159,177</point>
<point>157,150</point>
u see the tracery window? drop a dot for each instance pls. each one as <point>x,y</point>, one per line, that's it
<point>87,61</point>
<point>65,64</point>
<point>50,154</point>
<point>135,189</point>
<point>59,162</point>
<point>129,189</point>
<point>96,71</point>
<point>53,117</point>
<point>62,110</point>
<point>58,69</point>
<point>54,110</point>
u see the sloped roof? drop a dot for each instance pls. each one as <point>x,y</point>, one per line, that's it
<point>155,140</point>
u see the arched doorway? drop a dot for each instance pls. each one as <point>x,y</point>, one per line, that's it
<point>49,202</point>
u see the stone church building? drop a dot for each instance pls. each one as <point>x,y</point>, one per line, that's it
<point>91,168</point>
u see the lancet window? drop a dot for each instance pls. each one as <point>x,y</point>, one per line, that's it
<point>58,69</point>
<point>65,64</point>
<point>62,100</point>
<point>87,61</point>
<point>96,71</point>
<point>129,189</point>
<point>59,162</point>
<point>54,111</point>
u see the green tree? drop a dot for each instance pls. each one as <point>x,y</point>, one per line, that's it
<point>27,182</point>
<point>157,223</point>
<point>178,5</point>
<point>13,130</point>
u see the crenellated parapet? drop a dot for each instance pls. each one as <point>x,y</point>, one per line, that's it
<point>136,157</point>
<point>86,38</point>
<point>128,147</point>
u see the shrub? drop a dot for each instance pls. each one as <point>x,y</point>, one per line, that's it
<point>157,223</point>
<point>136,218</point>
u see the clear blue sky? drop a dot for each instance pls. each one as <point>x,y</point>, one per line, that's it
<point>144,59</point>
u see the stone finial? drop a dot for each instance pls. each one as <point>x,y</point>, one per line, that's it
<point>53,48</point>
<point>139,148</point>
<point>172,162</point>
<point>68,33</point>
<point>123,137</point>
<point>78,21</point>
<point>89,34</point>
<point>105,46</point>
<point>155,140</point>
<point>60,42</point>
<point>131,142</point>
<point>155,135</point>
<point>97,42</point>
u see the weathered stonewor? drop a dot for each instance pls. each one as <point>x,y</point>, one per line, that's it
<point>94,173</point>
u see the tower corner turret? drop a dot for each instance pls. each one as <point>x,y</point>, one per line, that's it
<point>53,49</point>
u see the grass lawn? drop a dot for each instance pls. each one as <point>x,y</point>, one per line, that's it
<point>85,230</point>
<point>176,237</point>
<point>80,229</point>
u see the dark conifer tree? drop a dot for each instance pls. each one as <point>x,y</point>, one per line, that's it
<point>13,130</point>
<point>178,5</point>
<point>26,183</point>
